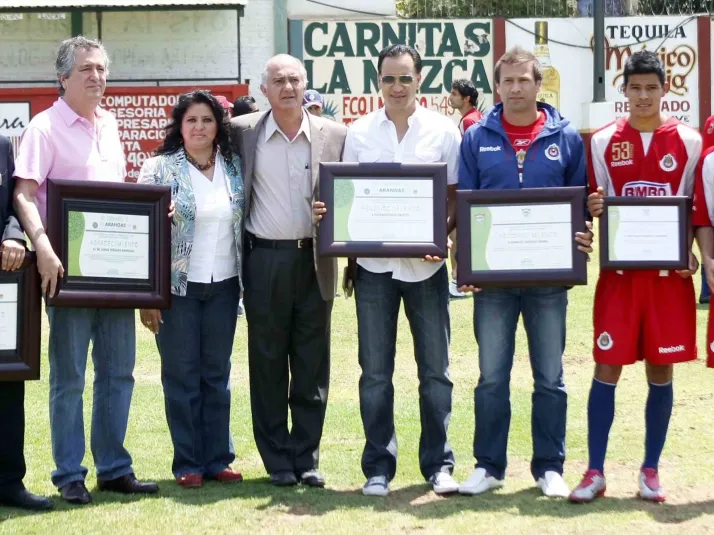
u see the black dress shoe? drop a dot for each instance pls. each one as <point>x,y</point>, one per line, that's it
<point>283,479</point>
<point>25,500</point>
<point>128,484</point>
<point>312,478</point>
<point>76,493</point>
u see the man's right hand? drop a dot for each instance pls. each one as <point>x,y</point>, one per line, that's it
<point>50,269</point>
<point>596,202</point>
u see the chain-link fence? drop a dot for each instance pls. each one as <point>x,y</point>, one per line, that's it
<point>547,8</point>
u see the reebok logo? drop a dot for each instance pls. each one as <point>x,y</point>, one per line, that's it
<point>671,349</point>
<point>522,142</point>
<point>489,149</point>
<point>622,163</point>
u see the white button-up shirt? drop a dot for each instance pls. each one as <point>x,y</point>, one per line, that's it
<point>213,255</point>
<point>281,204</point>
<point>431,138</point>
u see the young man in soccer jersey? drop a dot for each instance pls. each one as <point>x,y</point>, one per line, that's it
<point>702,219</point>
<point>641,314</point>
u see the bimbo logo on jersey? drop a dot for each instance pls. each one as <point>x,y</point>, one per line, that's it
<point>643,188</point>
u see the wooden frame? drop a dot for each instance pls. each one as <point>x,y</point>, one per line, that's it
<point>112,198</point>
<point>23,362</point>
<point>574,196</point>
<point>683,205</point>
<point>435,172</point>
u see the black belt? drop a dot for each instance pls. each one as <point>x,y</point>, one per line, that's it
<point>304,243</point>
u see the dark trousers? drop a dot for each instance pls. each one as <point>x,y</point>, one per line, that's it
<point>426,303</point>
<point>288,355</point>
<point>12,436</point>
<point>195,343</point>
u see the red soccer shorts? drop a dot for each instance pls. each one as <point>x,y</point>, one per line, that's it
<point>641,315</point>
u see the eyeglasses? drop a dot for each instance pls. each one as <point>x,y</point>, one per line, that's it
<point>404,79</point>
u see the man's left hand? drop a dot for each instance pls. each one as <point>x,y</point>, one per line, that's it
<point>585,239</point>
<point>172,209</point>
<point>13,254</point>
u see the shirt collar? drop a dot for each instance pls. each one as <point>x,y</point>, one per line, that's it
<point>271,126</point>
<point>418,112</point>
<point>69,116</point>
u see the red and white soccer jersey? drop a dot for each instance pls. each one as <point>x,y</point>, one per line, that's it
<point>644,314</point>
<point>703,216</point>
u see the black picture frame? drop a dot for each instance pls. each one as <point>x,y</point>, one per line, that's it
<point>683,205</point>
<point>64,196</point>
<point>466,276</point>
<point>435,172</point>
<point>23,362</point>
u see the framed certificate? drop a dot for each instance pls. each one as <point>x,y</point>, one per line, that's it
<point>114,241</point>
<point>383,210</point>
<point>523,237</point>
<point>20,322</point>
<point>645,233</point>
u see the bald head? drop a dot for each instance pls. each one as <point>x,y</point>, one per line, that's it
<point>283,82</point>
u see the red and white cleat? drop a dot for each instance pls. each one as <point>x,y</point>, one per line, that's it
<point>592,486</point>
<point>650,489</point>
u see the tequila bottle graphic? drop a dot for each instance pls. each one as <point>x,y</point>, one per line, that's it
<point>550,86</point>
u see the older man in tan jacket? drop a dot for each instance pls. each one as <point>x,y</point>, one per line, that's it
<point>289,290</point>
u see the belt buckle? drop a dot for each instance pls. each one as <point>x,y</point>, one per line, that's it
<point>301,243</point>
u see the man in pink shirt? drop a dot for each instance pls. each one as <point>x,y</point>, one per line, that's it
<point>75,139</point>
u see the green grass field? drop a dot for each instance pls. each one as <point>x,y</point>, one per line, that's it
<point>687,468</point>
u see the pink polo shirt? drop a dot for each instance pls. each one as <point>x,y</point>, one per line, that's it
<point>58,143</point>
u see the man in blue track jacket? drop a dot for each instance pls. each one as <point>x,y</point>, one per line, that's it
<point>521,143</point>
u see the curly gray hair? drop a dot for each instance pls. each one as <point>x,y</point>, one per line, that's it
<point>67,53</point>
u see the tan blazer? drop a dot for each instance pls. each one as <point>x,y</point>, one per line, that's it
<point>327,142</point>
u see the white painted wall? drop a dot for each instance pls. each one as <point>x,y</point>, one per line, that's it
<point>257,36</point>
<point>348,9</point>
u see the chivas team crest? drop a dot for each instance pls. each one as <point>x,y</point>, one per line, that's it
<point>604,341</point>
<point>668,163</point>
<point>552,152</point>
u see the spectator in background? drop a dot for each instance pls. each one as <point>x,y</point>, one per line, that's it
<point>312,102</point>
<point>244,105</point>
<point>225,104</point>
<point>463,98</point>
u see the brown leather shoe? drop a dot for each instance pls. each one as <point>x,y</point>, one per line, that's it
<point>75,493</point>
<point>190,481</point>
<point>228,476</point>
<point>128,484</point>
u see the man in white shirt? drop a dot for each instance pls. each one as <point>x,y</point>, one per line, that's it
<point>403,132</point>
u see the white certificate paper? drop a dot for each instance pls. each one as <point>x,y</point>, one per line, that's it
<point>643,233</point>
<point>384,210</point>
<point>108,245</point>
<point>521,237</point>
<point>8,316</point>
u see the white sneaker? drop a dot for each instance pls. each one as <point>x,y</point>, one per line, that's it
<point>479,482</point>
<point>454,291</point>
<point>376,486</point>
<point>650,489</point>
<point>553,485</point>
<point>592,486</point>
<point>443,483</point>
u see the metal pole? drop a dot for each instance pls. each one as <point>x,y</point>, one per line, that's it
<point>599,50</point>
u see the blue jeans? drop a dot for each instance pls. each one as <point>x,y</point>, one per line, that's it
<point>195,342</point>
<point>426,303</point>
<point>496,313</point>
<point>113,353</point>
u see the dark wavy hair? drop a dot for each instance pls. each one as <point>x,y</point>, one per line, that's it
<point>173,140</point>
